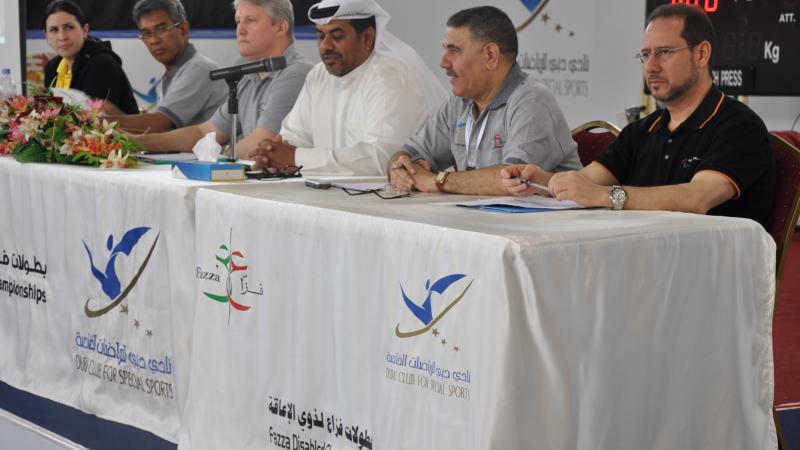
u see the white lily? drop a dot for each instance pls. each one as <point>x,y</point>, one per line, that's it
<point>116,160</point>
<point>65,149</point>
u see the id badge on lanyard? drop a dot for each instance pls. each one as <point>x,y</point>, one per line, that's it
<point>472,157</point>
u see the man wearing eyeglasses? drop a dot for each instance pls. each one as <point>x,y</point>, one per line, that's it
<point>264,28</point>
<point>705,153</point>
<point>186,96</point>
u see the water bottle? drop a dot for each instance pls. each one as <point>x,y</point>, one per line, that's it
<point>8,88</point>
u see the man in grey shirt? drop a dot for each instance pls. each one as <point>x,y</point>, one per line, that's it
<point>496,117</point>
<point>269,99</point>
<point>264,28</point>
<point>186,96</point>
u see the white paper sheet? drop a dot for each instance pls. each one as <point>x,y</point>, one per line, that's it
<point>534,203</point>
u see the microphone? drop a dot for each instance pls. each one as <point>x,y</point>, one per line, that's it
<point>236,72</point>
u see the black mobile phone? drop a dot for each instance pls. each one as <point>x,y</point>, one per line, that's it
<point>318,184</point>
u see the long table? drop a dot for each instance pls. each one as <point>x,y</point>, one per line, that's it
<point>268,314</point>
<point>356,322</point>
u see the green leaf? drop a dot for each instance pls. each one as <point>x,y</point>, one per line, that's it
<point>32,152</point>
<point>86,159</point>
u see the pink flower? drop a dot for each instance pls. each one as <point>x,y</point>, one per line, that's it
<point>16,134</point>
<point>28,126</point>
<point>86,116</point>
<point>51,113</point>
<point>95,104</point>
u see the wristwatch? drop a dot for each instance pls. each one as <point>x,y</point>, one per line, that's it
<point>439,180</point>
<point>618,197</point>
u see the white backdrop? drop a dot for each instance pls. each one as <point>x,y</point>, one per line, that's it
<point>609,33</point>
<point>10,39</point>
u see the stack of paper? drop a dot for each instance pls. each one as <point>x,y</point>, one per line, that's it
<point>534,203</point>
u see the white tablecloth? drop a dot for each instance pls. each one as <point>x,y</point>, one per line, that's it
<point>587,329</point>
<point>125,360</point>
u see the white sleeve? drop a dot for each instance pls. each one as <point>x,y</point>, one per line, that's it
<point>294,129</point>
<point>393,108</point>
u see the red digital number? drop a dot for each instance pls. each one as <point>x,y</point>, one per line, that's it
<point>708,5</point>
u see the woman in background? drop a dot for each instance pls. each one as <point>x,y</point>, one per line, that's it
<point>84,62</point>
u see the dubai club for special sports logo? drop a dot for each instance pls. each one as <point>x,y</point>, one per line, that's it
<point>109,281</point>
<point>424,311</point>
<point>535,7</point>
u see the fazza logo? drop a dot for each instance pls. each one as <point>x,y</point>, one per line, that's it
<point>234,272</point>
<point>108,278</point>
<point>424,312</point>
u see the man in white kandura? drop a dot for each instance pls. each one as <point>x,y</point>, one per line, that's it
<point>368,95</point>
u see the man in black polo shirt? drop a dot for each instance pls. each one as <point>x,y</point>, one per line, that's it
<point>705,153</point>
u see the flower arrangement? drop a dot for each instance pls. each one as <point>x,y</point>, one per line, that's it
<point>44,129</point>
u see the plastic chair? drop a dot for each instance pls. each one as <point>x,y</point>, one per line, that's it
<point>592,143</point>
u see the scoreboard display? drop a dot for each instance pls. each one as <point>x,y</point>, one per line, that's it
<point>758,44</point>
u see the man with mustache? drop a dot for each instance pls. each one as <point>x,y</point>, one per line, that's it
<point>497,115</point>
<point>186,96</point>
<point>264,28</point>
<point>366,97</point>
<point>705,153</point>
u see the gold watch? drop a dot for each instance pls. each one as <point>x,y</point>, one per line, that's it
<point>439,180</point>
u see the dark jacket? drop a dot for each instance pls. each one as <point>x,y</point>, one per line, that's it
<point>97,71</point>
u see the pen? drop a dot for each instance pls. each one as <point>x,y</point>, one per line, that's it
<point>531,183</point>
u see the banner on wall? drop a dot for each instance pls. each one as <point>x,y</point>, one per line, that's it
<point>556,46</point>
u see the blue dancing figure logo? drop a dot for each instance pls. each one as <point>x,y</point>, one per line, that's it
<point>534,7</point>
<point>151,96</point>
<point>109,280</point>
<point>424,312</point>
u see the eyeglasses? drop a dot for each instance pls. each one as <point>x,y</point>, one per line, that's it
<point>389,192</point>
<point>274,173</point>
<point>661,54</point>
<point>157,31</point>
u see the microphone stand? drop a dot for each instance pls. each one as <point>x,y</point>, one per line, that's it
<point>232,76</point>
<point>233,110</point>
